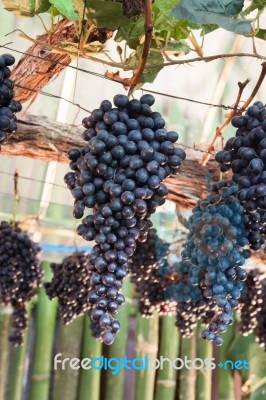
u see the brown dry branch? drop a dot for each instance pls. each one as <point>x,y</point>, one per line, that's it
<point>235,111</point>
<point>46,140</point>
<point>220,130</point>
<point>39,65</point>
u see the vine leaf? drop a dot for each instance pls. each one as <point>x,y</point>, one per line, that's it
<point>166,6</point>
<point>256,4</point>
<point>79,7</point>
<point>131,33</point>
<point>261,34</point>
<point>107,14</point>
<point>26,8</point>
<point>246,348</point>
<point>66,8</point>
<point>219,12</point>
<point>151,69</point>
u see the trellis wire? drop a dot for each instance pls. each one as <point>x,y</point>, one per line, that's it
<point>105,77</point>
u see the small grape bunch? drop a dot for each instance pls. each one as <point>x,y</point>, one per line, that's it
<point>20,274</point>
<point>145,266</point>
<point>251,302</point>
<point>71,285</point>
<point>8,106</point>
<point>191,305</point>
<point>260,329</point>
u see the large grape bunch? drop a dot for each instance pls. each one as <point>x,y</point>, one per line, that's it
<point>20,275</point>
<point>70,284</point>
<point>251,302</point>
<point>213,255</point>
<point>8,106</point>
<point>119,174</point>
<point>145,267</point>
<point>245,155</point>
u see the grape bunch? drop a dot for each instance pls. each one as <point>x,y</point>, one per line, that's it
<point>119,173</point>
<point>252,307</point>
<point>191,306</point>
<point>71,285</point>
<point>20,274</point>
<point>213,255</point>
<point>251,302</point>
<point>260,329</point>
<point>245,155</point>
<point>8,106</point>
<point>145,266</point>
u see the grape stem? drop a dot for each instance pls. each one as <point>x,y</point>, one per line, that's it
<point>146,47</point>
<point>15,197</point>
<point>236,111</point>
<point>148,25</point>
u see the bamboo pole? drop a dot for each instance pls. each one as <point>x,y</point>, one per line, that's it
<point>66,380</point>
<point>146,346</point>
<point>5,318</point>
<point>204,377</point>
<point>45,323</point>
<point>115,383</point>
<point>187,376</point>
<point>89,383</point>
<point>226,377</point>
<point>169,348</point>
<point>19,366</point>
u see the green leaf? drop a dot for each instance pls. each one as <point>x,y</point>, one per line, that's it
<point>177,47</point>
<point>131,33</point>
<point>255,5</point>
<point>166,6</point>
<point>54,11</point>
<point>107,14</point>
<point>151,69</point>
<point>208,29</point>
<point>219,12</point>
<point>261,34</point>
<point>245,348</point>
<point>26,8</point>
<point>66,8</point>
<point>79,7</point>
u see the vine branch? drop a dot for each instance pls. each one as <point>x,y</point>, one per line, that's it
<point>147,43</point>
<point>235,111</point>
<point>209,58</point>
<point>148,26</point>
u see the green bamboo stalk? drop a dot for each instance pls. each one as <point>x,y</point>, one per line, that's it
<point>169,348</point>
<point>115,383</point>
<point>204,377</point>
<point>66,380</point>
<point>45,324</point>
<point>89,383</point>
<point>15,390</point>
<point>146,346</point>
<point>187,377</point>
<point>226,377</point>
<point>5,319</point>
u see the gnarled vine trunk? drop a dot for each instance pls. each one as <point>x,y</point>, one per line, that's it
<point>43,139</point>
<point>40,64</point>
